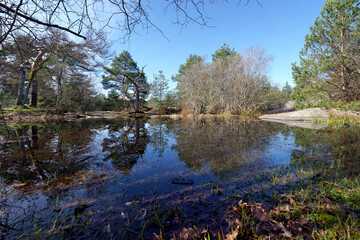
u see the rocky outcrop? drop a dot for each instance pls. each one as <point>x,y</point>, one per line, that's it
<point>282,107</point>
<point>310,114</point>
<point>301,115</point>
<point>300,124</point>
<point>344,114</point>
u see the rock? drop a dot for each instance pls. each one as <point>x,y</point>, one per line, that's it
<point>182,182</point>
<point>282,107</point>
<point>301,124</point>
<point>344,114</point>
<point>301,115</point>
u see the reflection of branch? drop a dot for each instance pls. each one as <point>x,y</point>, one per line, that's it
<point>7,129</point>
<point>7,227</point>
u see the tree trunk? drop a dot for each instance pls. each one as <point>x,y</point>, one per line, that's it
<point>59,90</point>
<point>20,94</point>
<point>34,93</point>
<point>34,137</point>
<point>34,68</point>
<point>37,64</point>
<point>137,103</point>
<point>26,93</point>
<point>344,82</point>
<point>21,135</point>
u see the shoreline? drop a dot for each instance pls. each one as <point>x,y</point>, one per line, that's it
<point>298,116</point>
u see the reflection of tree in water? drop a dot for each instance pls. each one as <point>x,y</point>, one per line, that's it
<point>224,144</point>
<point>318,147</point>
<point>39,152</point>
<point>126,143</point>
<point>161,130</point>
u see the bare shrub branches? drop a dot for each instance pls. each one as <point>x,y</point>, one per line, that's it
<point>236,83</point>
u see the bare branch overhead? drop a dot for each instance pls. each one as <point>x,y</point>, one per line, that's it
<point>78,17</point>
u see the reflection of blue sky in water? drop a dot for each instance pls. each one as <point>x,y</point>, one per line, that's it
<point>164,164</point>
<point>279,151</point>
<point>230,155</point>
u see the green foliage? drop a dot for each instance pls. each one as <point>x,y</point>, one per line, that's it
<point>112,102</point>
<point>351,106</point>
<point>193,58</point>
<point>276,97</point>
<point>171,99</point>
<point>7,97</point>
<point>328,67</point>
<point>223,52</point>
<point>122,69</point>
<point>63,63</point>
<point>24,109</point>
<point>124,77</point>
<point>287,90</point>
<point>76,95</point>
<point>159,88</point>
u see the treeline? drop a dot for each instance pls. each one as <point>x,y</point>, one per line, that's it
<point>232,82</point>
<point>54,72</point>
<point>50,70</point>
<point>328,73</point>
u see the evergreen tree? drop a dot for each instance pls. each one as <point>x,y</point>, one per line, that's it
<point>287,90</point>
<point>329,62</point>
<point>193,58</point>
<point>124,76</point>
<point>160,87</point>
<point>223,52</point>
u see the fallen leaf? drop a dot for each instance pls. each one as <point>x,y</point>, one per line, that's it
<point>71,204</point>
<point>285,209</point>
<point>304,220</point>
<point>233,235</point>
<point>276,211</point>
<point>286,233</point>
<point>17,185</point>
<point>328,207</point>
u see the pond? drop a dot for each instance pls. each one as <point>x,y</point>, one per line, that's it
<point>149,178</point>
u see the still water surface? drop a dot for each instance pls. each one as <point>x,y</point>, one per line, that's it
<point>115,178</point>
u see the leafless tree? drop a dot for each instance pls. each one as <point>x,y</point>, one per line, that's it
<point>236,83</point>
<point>78,17</point>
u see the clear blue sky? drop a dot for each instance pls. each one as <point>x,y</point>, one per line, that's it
<point>279,26</point>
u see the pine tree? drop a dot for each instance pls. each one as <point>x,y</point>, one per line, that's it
<point>124,76</point>
<point>329,62</point>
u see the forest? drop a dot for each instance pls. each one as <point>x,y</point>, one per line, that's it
<point>48,69</point>
<point>56,74</point>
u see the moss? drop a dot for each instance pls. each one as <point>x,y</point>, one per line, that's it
<point>326,219</point>
<point>19,108</point>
